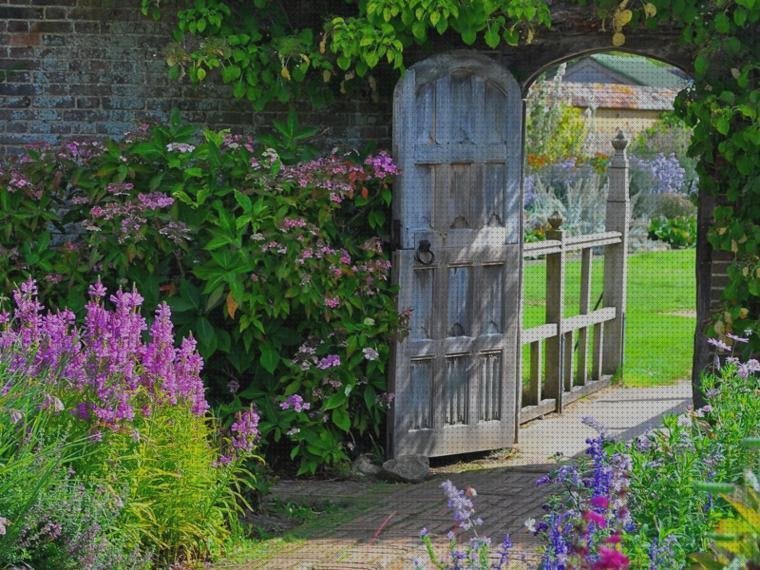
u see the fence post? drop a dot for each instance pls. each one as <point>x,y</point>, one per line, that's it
<point>615,257</point>
<point>555,299</point>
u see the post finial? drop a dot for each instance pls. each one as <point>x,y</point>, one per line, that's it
<point>619,142</point>
<point>555,220</point>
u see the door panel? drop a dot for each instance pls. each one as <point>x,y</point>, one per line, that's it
<point>457,138</point>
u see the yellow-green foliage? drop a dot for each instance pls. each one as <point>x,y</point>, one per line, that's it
<point>569,136</point>
<point>178,503</point>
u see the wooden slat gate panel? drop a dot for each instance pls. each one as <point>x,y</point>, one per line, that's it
<point>458,139</point>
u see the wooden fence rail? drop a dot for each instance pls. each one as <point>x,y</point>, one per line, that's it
<point>555,379</point>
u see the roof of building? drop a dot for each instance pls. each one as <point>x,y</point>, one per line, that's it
<point>643,70</point>
<point>618,96</point>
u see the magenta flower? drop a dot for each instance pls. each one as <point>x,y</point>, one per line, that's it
<point>332,302</point>
<point>596,518</point>
<point>611,559</point>
<point>600,502</point>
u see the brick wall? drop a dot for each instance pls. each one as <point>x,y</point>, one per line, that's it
<point>94,68</point>
<point>718,276</point>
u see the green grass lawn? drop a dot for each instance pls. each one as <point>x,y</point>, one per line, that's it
<point>659,318</point>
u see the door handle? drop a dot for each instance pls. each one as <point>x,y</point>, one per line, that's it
<point>424,254</point>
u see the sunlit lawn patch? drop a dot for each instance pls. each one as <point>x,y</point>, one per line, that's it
<point>659,318</point>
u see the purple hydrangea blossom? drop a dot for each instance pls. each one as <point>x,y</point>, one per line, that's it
<point>329,361</point>
<point>295,402</point>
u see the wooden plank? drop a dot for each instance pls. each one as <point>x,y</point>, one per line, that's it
<point>533,395</point>
<point>567,354</point>
<point>597,360</point>
<point>541,247</point>
<point>529,413</point>
<point>592,240</point>
<point>540,332</point>
<point>555,299</point>
<point>581,321</point>
<point>579,392</point>
<point>618,218</point>
<point>585,305</point>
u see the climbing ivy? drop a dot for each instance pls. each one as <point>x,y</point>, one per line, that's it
<point>314,50</point>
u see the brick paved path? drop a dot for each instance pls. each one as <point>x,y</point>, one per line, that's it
<point>385,535</point>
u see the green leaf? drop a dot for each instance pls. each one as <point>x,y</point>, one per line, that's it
<point>244,201</point>
<point>469,36</point>
<point>341,419</point>
<point>722,23</point>
<point>334,401</point>
<point>492,38</point>
<point>230,73</point>
<point>206,337</point>
<point>269,357</point>
<point>700,65</point>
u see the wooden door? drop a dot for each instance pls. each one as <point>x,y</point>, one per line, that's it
<point>457,136</point>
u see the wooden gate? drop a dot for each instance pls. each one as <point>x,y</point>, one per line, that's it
<point>457,135</point>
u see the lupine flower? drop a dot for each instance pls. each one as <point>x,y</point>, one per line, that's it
<point>596,518</point>
<point>245,430</point>
<point>51,403</point>
<point>16,416</point>
<point>106,361</point>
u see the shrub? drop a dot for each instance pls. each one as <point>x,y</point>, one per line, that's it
<point>679,232</point>
<point>116,421</point>
<point>274,268</point>
<point>672,205</point>
<point>555,130</point>
<point>573,189</point>
<point>736,542</point>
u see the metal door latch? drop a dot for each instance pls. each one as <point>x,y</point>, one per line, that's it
<point>423,253</point>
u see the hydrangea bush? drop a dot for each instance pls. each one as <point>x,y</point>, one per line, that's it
<point>275,269</point>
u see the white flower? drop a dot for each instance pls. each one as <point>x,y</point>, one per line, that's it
<point>530,524</point>
<point>3,525</point>
<point>370,353</point>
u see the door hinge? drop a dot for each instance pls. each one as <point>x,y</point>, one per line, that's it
<point>396,235</point>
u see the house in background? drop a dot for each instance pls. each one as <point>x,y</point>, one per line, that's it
<point>619,91</point>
